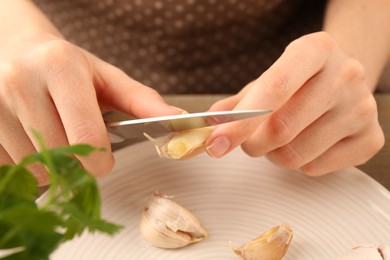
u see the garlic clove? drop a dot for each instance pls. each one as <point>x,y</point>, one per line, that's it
<point>166,224</point>
<point>188,144</point>
<point>182,145</point>
<point>188,123</point>
<point>271,245</point>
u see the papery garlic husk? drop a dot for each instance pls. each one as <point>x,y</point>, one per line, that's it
<point>271,245</point>
<point>166,224</point>
<point>182,145</point>
<point>364,252</point>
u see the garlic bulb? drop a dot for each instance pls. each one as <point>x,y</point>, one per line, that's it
<point>182,145</point>
<point>166,224</point>
<point>271,245</point>
<point>363,252</point>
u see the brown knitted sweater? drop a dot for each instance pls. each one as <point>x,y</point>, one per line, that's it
<point>186,46</point>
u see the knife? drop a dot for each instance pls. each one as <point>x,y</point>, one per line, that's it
<point>163,125</point>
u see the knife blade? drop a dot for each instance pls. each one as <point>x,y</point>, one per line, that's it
<point>163,125</point>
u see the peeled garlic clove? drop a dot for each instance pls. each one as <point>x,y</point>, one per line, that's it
<point>188,123</point>
<point>166,224</point>
<point>187,144</point>
<point>182,145</point>
<point>363,252</point>
<point>271,245</point>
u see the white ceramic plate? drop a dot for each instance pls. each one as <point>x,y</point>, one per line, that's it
<point>236,198</point>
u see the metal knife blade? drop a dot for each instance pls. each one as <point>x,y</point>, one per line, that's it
<point>159,126</point>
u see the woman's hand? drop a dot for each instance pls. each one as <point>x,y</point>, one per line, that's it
<point>324,114</point>
<point>60,90</point>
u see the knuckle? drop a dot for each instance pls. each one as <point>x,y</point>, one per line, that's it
<point>88,133</point>
<point>287,156</point>
<point>10,82</point>
<point>323,41</point>
<point>276,86</point>
<point>370,149</point>
<point>368,109</point>
<point>8,72</point>
<point>251,150</point>
<point>364,113</point>
<point>352,71</point>
<point>55,56</point>
<point>319,42</point>
<point>60,48</point>
<point>279,129</point>
<point>8,78</point>
<point>377,142</point>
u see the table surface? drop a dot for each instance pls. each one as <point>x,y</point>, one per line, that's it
<point>377,167</point>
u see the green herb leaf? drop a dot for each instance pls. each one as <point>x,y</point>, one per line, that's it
<point>71,206</point>
<point>18,181</point>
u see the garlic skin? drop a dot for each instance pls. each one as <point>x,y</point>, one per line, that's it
<point>166,224</point>
<point>364,252</point>
<point>272,245</point>
<point>182,145</point>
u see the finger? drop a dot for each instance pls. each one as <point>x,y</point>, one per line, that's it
<point>44,119</point>
<point>306,106</point>
<point>346,153</point>
<point>118,91</point>
<point>38,112</point>
<point>301,60</point>
<point>14,140</point>
<point>15,145</point>
<point>74,96</point>
<point>314,140</point>
<point>40,174</point>
<point>317,115</point>
<point>4,157</point>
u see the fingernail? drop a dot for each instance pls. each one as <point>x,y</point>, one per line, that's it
<point>218,147</point>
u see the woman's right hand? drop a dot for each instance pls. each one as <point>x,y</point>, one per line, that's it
<point>59,89</point>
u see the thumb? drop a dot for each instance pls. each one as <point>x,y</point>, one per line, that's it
<point>116,90</point>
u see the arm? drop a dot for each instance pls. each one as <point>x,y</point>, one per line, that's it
<point>362,29</point>
<point>60,90</point>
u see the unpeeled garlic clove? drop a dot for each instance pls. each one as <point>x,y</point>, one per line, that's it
<point>271,245</point>
<point>182,145</point>
<point>166,224</point>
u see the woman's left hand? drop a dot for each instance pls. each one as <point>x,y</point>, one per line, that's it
<point>324,114</point>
